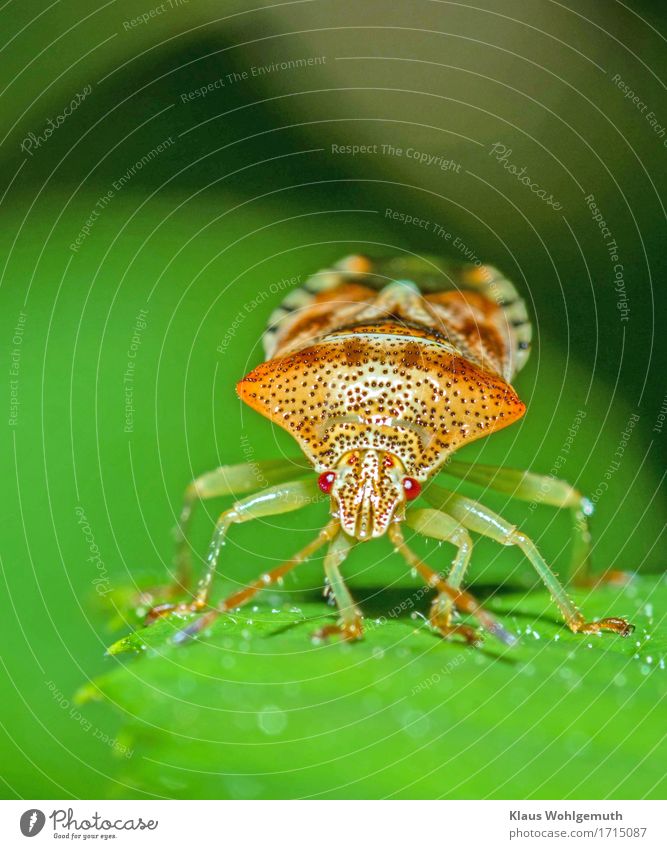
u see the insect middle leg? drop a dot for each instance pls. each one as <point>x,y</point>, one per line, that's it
<point>350,625</point>
<point>440,526</point>
<point>476,517</point>
<point>461,599</point>
<point>269,502</point>
<point>225,480</point>
<point>542,489</point>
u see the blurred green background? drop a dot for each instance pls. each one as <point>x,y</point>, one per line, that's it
<point>155,225</point>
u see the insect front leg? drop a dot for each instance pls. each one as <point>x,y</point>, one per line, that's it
<point>269,502</point>
<point>438,525</point>
<point>463,600</point>
<point>350,625</point>
<point>247,593</point>
<point>476,517</point>
<point>543,489</point>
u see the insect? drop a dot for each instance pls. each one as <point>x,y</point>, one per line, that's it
<point>381,370</point>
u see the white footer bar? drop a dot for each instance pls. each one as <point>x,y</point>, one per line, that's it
<point>324,824</point>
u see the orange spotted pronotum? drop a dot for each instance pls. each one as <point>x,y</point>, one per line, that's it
<point>381,370</point>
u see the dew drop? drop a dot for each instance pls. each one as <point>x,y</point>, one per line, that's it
<point>272,720</point>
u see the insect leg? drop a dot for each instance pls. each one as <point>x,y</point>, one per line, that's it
<point>350,625</point>
<point>476,517</point>
<point>225,480</point>
<point>542,489</point>
<point>434,523</point>
<point>462,599</point>
<point>247,593</point>
<point>282,498</point>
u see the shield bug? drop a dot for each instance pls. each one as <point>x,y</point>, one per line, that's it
<point>381,370</point>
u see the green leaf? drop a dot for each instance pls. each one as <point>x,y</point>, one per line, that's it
<point>255,709</point>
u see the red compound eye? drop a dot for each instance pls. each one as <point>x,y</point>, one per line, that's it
<point>326,481</point>
<point>411,487</point>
